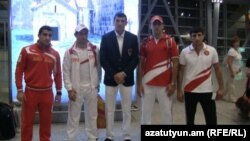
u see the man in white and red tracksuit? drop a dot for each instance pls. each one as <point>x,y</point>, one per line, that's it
<point>36,64</point>
<point>82,75</point>
<point>157,72</point>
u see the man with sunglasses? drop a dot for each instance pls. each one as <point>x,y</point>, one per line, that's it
<point>37,63</point>
<point>82,75</point>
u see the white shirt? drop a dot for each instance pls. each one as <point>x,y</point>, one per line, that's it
<point>84,66</point>
<point>236,58</point>
<point>120,39</point>
<point>198,68</point>
<point>74,73</point>
<point>156,40</point>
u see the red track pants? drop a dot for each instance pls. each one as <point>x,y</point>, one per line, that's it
<point>40,101</point>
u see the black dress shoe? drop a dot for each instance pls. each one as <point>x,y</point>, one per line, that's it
<point>127,140</point>
<point>107,139</point>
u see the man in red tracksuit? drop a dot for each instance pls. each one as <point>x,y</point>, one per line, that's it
<point>37,63</point>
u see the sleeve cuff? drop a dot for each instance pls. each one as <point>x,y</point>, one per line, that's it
<point>59,93</point>
<point>19,90</point>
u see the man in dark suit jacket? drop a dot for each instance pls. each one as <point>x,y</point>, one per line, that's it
<point>119,58</point>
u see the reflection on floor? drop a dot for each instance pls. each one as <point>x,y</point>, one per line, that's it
<point>227,114</point>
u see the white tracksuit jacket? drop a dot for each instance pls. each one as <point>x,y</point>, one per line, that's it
<point>71,74</point>
<point>86,96</point>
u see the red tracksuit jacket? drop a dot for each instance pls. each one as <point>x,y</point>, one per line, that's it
<point>37,67</point>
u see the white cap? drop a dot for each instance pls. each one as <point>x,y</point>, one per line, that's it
<point>80,27</point>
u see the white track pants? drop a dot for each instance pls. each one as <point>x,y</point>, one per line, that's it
<point>111,93</point>
<point>88,97</point>
<point>148,101</point>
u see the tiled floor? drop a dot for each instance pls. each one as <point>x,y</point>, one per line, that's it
<point>226,113</point>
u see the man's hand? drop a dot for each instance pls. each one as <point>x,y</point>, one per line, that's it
<point>140,90</point>
<point>58,99</point>
<point>170,89</point>
<point>72,95</point>
<point>120,77</point>
<point>180,96</point>
<point>219,94</point>
<point>20,96</point>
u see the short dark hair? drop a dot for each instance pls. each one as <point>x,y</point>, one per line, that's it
<point>45,27</point>
<point>196,30</point>
<point>120,14</point>
<point>177,40</point>
<point>235,39</point>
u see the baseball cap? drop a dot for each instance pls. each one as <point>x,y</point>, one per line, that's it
<point>80,27</point>
<point>154,18</point>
